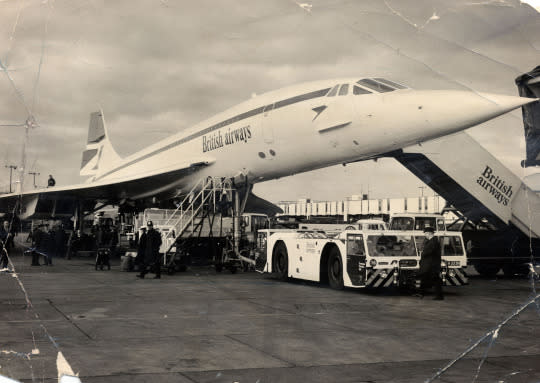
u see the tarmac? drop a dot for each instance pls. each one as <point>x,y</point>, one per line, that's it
<point>204,326</point>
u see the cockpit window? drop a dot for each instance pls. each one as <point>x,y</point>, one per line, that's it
<point>333,91</point>
<point>344,89</point>
<point>376,86</point>
<point>357,90</point>
<point>391,83</point>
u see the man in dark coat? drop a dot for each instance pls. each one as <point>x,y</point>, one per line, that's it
<point>430,264</point>
<point>5,233</point>
<point>4,259</point>
<point>149,244</point>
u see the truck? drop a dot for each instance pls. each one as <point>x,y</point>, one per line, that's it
<point>488,249</point>
<point>356,258</point>
<point>493,249</point>
<point>417,221</point>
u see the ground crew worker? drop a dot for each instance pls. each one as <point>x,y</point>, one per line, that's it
<point>430,265</point>
<point>4,232</point>
<point>38,239</point>
<point>149,244</point>
<point>140,251</point>
<point>51,182</point>
<point>4,260</point>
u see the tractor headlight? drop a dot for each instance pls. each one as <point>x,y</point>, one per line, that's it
<point>373,262</point>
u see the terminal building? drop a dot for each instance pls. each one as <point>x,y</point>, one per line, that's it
<point>361,205</point>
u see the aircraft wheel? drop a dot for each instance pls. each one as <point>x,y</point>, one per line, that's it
<point>280,260</point>
<point>335,269</point>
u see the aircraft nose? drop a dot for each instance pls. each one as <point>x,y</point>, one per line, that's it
<point>458,110</point>
<point>504,102</point>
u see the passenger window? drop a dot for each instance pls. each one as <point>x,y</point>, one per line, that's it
<point>333,91</point>
<point>344,90</point>
<point>357,90</point>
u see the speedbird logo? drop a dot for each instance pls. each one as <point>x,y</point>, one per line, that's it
<point>495,186</point>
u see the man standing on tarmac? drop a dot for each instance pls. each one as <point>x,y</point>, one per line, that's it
<point>4,260</point>
<point>149,244</point>
<point>430,265</point>
<point>4,232</point>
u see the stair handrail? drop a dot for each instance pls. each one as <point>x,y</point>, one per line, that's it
<point>208,183</point>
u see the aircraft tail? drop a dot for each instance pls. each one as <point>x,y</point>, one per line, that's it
<point>99,149</point>
<point>529,86</point>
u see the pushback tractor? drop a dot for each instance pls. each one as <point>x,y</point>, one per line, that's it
<point>356,258</point>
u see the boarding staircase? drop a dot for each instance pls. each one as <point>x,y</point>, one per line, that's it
<point>477,184</point>
<point>206,211</point>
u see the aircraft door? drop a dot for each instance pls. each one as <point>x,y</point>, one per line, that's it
<point>356,259</point>
<point>266,124</point>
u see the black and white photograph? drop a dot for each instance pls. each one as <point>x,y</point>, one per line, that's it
<point>269,191</point>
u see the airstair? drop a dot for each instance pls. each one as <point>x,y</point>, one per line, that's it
<point>210,210</point>
<point>471,179</point>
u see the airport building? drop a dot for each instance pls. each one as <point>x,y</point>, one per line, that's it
<point>361,205</point>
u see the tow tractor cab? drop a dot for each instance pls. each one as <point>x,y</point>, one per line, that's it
<point>356,258</point>
<point>417,222</point>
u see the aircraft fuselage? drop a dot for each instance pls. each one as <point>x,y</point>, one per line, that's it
<point>306,127</point>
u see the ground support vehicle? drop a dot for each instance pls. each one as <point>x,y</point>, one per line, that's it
<point>488,249</point>
<point>335,228</point>
<point>215,245</point>
<point>417,221</point>
<point>508,249</point>
<point>356,258</point>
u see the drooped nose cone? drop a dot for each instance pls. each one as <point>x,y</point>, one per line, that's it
<point>452,111</point>
<point>504,102</point>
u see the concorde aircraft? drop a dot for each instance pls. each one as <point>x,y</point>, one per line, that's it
<point>276,134</point>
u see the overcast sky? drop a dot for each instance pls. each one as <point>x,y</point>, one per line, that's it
<point>156,67</point>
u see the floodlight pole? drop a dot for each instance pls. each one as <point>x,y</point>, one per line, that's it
<point>34,174</point>
<point>11,168</point>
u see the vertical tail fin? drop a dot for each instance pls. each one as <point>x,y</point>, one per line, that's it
<point>99,152</point>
